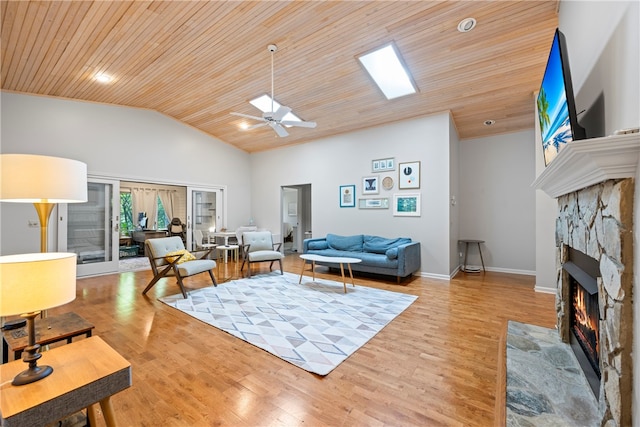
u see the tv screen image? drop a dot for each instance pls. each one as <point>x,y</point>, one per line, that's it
<point>556,107</point>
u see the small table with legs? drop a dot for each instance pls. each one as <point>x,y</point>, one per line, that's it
<point>466,250</point>
<point>49,330</point>
<point>329,259</point>
<point>85,373</point>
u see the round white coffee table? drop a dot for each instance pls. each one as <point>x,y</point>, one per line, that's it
<point>331,259</point>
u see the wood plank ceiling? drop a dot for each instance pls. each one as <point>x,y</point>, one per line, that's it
<point>197,61</point>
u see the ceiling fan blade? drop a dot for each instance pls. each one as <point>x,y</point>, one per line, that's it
<point>279,129</point>
<point>298,124</point>
<point>257,125</point>
<point>247,116</point>
<point>282,111</point>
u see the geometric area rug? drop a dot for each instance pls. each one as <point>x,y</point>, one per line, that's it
<point>313,325</point>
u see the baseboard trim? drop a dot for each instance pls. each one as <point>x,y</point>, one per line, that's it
<point>544,289</point>
<point>434,276</point>
<point>479,267</point>
<point>498,270</point>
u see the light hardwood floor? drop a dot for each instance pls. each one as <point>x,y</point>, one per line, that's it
<point>438,363</point>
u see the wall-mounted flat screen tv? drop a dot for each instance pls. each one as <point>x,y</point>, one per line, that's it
<point>556,106</point>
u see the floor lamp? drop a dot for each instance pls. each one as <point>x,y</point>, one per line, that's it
<point>43,181</point>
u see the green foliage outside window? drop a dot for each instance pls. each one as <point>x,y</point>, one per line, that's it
<point>126,215</point>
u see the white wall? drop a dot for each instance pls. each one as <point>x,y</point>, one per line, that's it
<point>604,45</point>
<point>603,41</point>
<point>346,159</point>
<point>128,143</point>
<point>454,194</point>
<point>546,213</point>
<point>497,203</point>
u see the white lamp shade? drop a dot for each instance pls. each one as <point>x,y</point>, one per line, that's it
<point>35,282</point>
<point>28,178</point>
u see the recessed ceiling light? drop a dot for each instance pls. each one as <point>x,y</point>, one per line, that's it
<point>466,25</point>
<point>388,71</point>
<point>489,122</point>
<point>103,78</point>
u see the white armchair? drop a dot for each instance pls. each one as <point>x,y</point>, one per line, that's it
<point>258,246</point>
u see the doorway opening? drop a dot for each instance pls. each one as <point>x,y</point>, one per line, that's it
<point>296,216</point>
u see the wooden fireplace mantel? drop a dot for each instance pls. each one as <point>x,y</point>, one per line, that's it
<point>581,164</point>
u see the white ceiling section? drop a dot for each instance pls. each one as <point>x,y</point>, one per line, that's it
<point>197,61</point>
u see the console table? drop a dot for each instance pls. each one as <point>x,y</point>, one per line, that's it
<point>85,372</point>
<point>141,235</point>
<point>48,331</point>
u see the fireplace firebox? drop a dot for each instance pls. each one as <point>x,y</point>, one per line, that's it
<point>585,314</point>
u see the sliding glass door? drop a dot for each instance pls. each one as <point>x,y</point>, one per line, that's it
<point>206,211</point>
<point>91,229</point>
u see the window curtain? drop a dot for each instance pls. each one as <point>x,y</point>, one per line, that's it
<point>168,197</point>
<point>145,200</point>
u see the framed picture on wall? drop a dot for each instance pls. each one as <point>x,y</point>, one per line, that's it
<point>370,185</point>
<point>347,196</point>
<point>408,175</point>
<point>406,204</point>
<point>382,203</point>
<point>381,165</point>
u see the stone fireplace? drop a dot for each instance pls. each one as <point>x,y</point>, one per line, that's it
<point>593,182</point>
<point>598,221</point>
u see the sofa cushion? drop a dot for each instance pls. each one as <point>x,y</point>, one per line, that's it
<point>345,243</point>
<point>380,245</point>
<point>318,245</point>
<point>392,253</point>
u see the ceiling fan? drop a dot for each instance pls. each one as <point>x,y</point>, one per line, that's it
<point>275,119</point>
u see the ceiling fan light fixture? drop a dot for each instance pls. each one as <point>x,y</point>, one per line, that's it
<point>263,103</point>
<point>274,114</point>
<point>466,25</point>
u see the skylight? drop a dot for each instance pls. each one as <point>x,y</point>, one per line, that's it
<point>263,103</point>
<point>386,69</point>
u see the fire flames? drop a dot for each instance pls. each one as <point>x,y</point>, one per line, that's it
<point>585,324</point>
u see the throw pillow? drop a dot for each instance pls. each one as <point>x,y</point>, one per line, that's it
<point>392,253</point>
<point>345,243</point>
<point>171,256</point>
<point>318,245</point>
<point>380,245</point>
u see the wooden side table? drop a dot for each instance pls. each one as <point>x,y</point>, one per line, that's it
<point>48,331</point>
<point>466,250</point>
<point>85,372</point>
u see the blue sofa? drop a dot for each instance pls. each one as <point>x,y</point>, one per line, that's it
<point>398,257</point>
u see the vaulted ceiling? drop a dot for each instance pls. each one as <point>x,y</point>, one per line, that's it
<point>197,61</point>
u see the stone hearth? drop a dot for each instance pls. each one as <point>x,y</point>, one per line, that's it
<point>598,221</point>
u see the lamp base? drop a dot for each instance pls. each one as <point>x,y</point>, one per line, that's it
<point>32,375</point>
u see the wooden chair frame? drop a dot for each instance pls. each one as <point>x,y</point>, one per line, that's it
<point>172,268</point>
<point>245,255</point>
